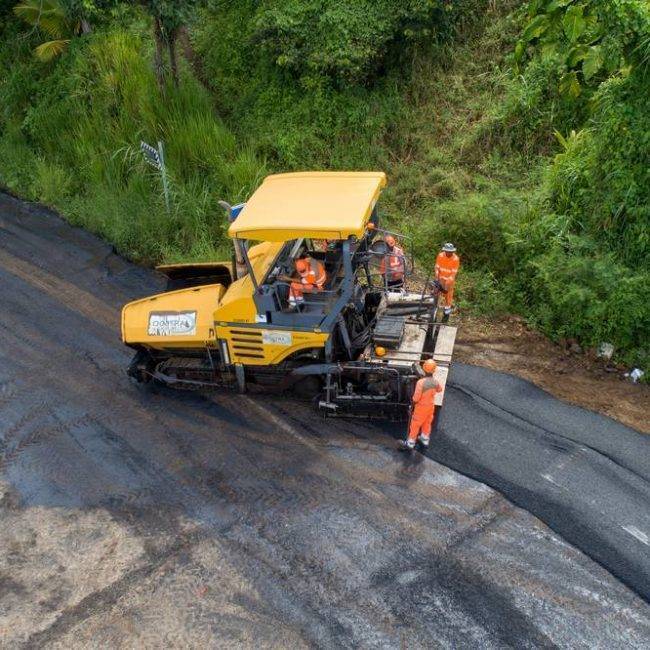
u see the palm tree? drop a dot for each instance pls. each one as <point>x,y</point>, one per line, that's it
<point>50,17</point>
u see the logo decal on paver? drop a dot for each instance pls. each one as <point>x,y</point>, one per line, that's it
<point>275,337</point>
<point>172,323</point>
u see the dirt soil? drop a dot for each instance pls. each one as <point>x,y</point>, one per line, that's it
<point>579,378</point>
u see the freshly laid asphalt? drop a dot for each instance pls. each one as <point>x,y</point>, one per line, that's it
<point>131,516</point>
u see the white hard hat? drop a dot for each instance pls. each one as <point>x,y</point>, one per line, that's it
<point>449,248</point>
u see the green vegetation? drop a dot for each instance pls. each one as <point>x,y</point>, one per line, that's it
<point>49,16</point>
<point>518,130</point>
<point>71,135</point>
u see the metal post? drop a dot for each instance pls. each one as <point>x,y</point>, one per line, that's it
<point>163,173</point>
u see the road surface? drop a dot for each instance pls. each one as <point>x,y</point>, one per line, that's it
<point>131,517</point>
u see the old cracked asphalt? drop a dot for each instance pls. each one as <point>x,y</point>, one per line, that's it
<point>131,518</point>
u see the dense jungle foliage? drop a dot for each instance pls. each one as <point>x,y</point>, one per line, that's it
<point>517,129</point>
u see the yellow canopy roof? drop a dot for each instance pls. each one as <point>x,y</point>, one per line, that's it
<point>317,205</point>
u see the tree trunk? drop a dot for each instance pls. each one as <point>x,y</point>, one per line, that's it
<point>191,56</point>
<point>159,68</point>
<point>173,60</point>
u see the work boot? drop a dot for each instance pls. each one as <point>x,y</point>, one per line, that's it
<point>407,444</point>
<point>424,441</point>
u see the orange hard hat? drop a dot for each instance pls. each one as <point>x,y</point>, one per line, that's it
<point>390,240</point>
<point>429,366</point>
<point>302,266</point>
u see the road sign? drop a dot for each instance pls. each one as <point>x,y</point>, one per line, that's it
<point>151,155</point>
<point>156,158</point>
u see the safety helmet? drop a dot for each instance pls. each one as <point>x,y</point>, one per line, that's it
<point>390,240</point>
<point>429,366</point>
<point>302,266</point>
<point>449,248</point>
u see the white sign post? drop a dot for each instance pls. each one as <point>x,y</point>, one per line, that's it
<point>156,158</point>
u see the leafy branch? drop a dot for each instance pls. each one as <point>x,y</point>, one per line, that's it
<point>595,39</point>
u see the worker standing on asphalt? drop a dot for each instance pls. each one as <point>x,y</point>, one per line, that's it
<point>394,274</point>
<point>447,265</point>
<point>312,279</point>
<point>423,407</point>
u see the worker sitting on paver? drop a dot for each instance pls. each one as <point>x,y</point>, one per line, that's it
<point>447,265</point>
<point>394,274</point>
<point>423,407</point>
<point>312,278</point>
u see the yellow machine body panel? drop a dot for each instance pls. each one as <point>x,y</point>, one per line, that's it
<point>198,316</point>
<point>314,205</point>
<point>176,319</point>
<point>266,346</point>
<point>237,305</point>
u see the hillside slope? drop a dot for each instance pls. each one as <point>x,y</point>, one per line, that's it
<point>545,194</point>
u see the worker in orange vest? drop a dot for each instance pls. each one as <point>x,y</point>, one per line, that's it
<point>447,265</point>
<point>312,279</point>
<point>394,275</point>
<point>423,407</point>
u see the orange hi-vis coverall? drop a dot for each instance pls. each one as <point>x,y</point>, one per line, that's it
<point>423,407</point>
<point>395,265</point>
<point>446,271</point>
<point>312,280</point>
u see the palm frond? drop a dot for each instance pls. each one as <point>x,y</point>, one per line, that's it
<point>50,49</point>
<point>47,15</point>
<point>54,26</point>
<point>28,10</point>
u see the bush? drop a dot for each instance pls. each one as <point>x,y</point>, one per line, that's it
<point>566,51</point>
<point>321,83</point>
<point>581,293</point>
<point>477,226</point>
<point>346,41</point>
<point>17,163</point>
<point>582,251</point>
<point>290,126</point>
<point>602,179</point>
<point>593,39</point>
<point>481,292</point>
<point>533,110</point>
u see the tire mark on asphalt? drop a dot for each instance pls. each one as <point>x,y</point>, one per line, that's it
<point>409,585</point>
<point>363,479</point>
<point>60,290</point>
<point>637,534</point>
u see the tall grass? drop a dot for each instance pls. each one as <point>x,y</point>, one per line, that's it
<point>77,148</point>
